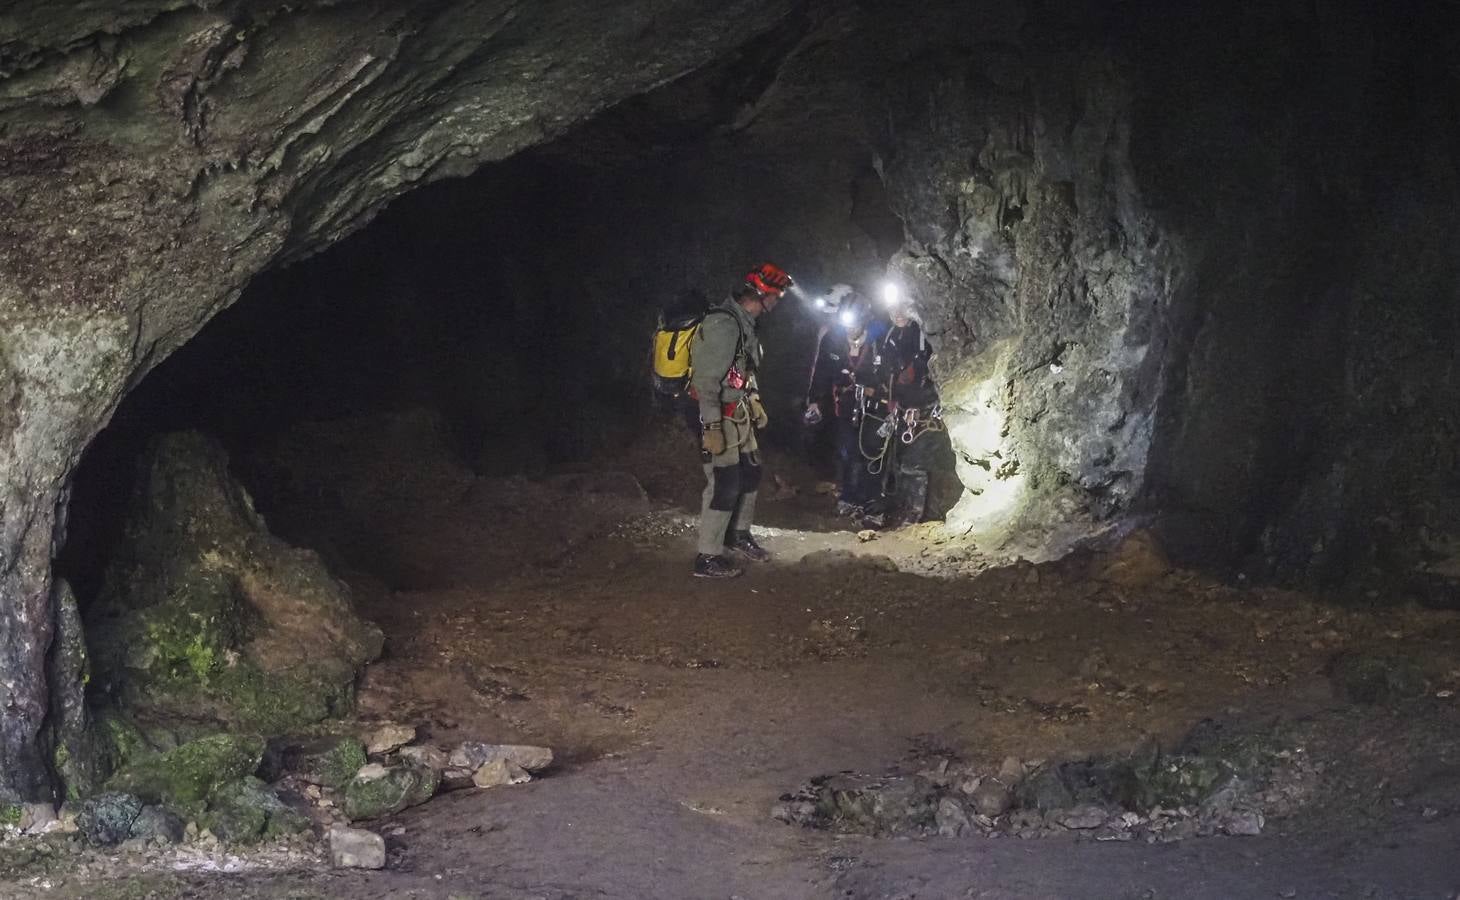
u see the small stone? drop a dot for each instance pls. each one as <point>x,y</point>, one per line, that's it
<point>1081,817</point>
<point>500,772</point>
<point>951,818</point>
<point>454,779</point>
<point>991,798</point>
<point>473,755</point>
<point>356,848</point>
<point>866,535</point>
<point>387,737</point>
<point>36,818</point>
<point>421,755</point>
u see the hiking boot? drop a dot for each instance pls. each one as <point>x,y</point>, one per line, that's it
<point>742,543</point>
<point>707,566</point>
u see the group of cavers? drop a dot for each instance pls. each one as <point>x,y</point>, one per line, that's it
<point>869,386</point>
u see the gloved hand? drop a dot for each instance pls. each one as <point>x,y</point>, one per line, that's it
<point>812,416</point>
<point>713,439</point>
<point>758,416</point>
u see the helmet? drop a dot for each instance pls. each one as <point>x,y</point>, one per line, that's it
<point>767,279</point>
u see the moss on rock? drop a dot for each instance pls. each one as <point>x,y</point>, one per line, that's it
<point>204,610</point>
<point>380,790</point>
<point>186,777</point>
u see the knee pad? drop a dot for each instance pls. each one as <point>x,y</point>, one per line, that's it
<point>749,475</point>
<point>726,490</point>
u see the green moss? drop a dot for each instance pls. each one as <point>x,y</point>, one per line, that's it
<point>400,787</point>
<point>10,815</point>
<point>184,778</point>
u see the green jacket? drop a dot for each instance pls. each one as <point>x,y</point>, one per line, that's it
<point>725,340</point>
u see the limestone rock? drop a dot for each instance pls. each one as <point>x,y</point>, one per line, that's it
<point>1081,817</point>
<point>422,755</point>
<point>387,737</point>
<point>155,823</point>
<point>184,778</point>
<point>379,790</point>
<point>37,818</point>
<point>473,755</point>
<point>355,848</point>
<point>991,798</point>
<point>204,612</point>
<point>246,810</point>
<point>107,819</point>
<point>499,772</point>
<point>330,762</point>
<point>951,818</point>
<point>1045,790</point>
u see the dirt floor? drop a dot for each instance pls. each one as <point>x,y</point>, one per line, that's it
<point>560,612</point>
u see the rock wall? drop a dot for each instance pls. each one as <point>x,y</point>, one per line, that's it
<point>157,156</point>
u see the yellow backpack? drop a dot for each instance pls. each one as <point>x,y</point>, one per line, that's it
<point>672,342</point>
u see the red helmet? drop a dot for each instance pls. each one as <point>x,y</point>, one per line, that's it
<point>767,279</point>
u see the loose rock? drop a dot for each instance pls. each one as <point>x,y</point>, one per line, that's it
<point>991,798</point>
<point>380,790</point>
<point>107,819</point>
<point>155,823</point>
<point>355,848</point>
<point>387,737</point>
<point>473,755</point>
<point>500,772</point>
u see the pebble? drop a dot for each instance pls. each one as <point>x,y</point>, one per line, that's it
<point>356,848</point>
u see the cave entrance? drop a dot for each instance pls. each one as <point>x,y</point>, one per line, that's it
<point>450,405</point>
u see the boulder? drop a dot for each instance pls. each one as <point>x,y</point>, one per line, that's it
<point>991,798</point>
<point>379,790</point>
<point>185,777</point>
<point>204,613</point>
<point>107,819</point>
<point>246,810</point>
<point>330,762</point>
<point>156,823</point>
<point>355,848</point>
<point>1045,790</point>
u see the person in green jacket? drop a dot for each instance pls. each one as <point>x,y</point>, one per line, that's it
<point>726,355</point>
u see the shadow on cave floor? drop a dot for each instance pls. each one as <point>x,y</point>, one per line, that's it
<point>559,612</point>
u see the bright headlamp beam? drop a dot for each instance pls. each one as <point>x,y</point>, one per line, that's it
<point>849,318</point>
<point>891,293</point>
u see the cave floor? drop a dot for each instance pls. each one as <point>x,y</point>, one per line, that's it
<point>681,710</point>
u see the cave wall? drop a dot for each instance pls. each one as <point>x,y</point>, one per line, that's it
<point>157,156</point>
<point>1183,263</point>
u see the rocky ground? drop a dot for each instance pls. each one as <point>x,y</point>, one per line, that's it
<point>838,723</point>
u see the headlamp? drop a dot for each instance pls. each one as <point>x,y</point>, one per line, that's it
<point>891,294</point>
<point>848,318</point>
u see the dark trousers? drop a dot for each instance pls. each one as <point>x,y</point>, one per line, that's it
<point>855,484</point>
